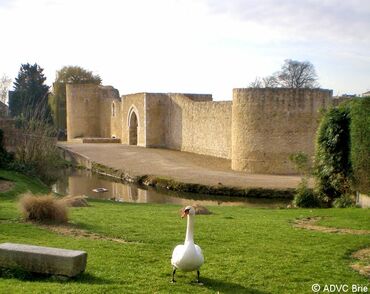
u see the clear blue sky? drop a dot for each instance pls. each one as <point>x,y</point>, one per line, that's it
<point>200,46</point>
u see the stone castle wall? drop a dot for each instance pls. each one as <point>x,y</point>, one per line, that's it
<point>133,103</point>
<point>89,109</point>
<point>82,111</point>
<point>187,122</point>
<point>258,130</point>
<point>199,127</point>
<point>109,125</point>
<point>156,116</point>
<point>270,124</point>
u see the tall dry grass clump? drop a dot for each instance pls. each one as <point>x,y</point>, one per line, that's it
<point>43,208</point>
<point>35,138</point>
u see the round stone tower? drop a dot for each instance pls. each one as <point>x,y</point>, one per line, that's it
<point>269,124</point>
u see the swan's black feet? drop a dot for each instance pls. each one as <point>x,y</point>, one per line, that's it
<point>173,275</point>
<point>197,281</point>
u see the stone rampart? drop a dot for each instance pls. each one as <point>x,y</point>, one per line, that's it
<point>258,130</point>
<point>269,124</point>
<point>89,111</point>
<point>82,110</point>
<point>133,105</point>
<point>199,127</point>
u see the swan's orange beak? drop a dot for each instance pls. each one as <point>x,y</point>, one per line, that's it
<point>184,213</point>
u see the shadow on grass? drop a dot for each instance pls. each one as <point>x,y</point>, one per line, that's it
<point>227,287</point>
<point>26,276</point>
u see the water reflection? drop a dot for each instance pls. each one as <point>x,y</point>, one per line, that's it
<point>82,182</point>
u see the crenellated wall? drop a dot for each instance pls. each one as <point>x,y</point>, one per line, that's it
<point>270,124</point>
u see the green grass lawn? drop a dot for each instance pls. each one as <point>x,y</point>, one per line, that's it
<point>246,250</point>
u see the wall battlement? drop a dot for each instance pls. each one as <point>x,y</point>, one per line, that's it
<point>257,130</point>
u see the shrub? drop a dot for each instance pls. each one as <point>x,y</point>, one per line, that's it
<point>306,197</point>
<point>5,157</point>
<point>344,201</point>
<point>36,153</point>
<point>43,208</point>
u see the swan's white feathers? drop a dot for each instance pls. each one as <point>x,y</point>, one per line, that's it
<point>188,257</point>
<point>177,254</point>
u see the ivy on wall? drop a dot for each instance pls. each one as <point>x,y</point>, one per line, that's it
<point>342,155</point>
<point>332,155</point>
<point>360,144</point>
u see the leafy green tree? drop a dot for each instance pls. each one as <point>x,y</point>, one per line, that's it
<point>29,99</point>
<point>66,75</point>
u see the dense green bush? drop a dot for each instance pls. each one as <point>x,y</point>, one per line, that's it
<point>344,201</point>
<point>306,197</point>
<point>360,143</point>
<point>332,155</point>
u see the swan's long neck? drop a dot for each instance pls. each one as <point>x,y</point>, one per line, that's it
<point>190,229</point>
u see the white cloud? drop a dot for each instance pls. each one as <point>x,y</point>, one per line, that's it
<point>333,19</point>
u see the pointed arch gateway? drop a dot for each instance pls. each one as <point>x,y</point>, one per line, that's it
<point>133,125</point>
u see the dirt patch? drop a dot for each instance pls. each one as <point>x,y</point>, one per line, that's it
<point>309,223</point>
<point>6,186</point>
<point>68,230</point>
<point>363,264</point>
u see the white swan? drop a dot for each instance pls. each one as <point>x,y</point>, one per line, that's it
<point>187,257</point>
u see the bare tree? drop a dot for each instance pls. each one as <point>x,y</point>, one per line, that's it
<point>266,82</point>
<point>297,74</point>
<point>270,81</point>
<point>293,74</point>
<point>257,83</point>
<point>5,83</point>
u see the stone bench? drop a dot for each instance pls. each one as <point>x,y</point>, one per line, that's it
<point>40,259</point>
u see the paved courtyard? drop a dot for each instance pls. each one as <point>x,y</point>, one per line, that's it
<point>181,166</point>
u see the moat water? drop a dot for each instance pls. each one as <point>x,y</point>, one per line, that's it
<point>83,182</point>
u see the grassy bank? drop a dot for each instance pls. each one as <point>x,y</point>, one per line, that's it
<point>246,250</point>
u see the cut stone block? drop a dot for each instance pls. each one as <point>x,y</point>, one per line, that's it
<point>40,259</point>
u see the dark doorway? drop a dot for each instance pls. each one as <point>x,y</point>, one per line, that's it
<point>133,129</point>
